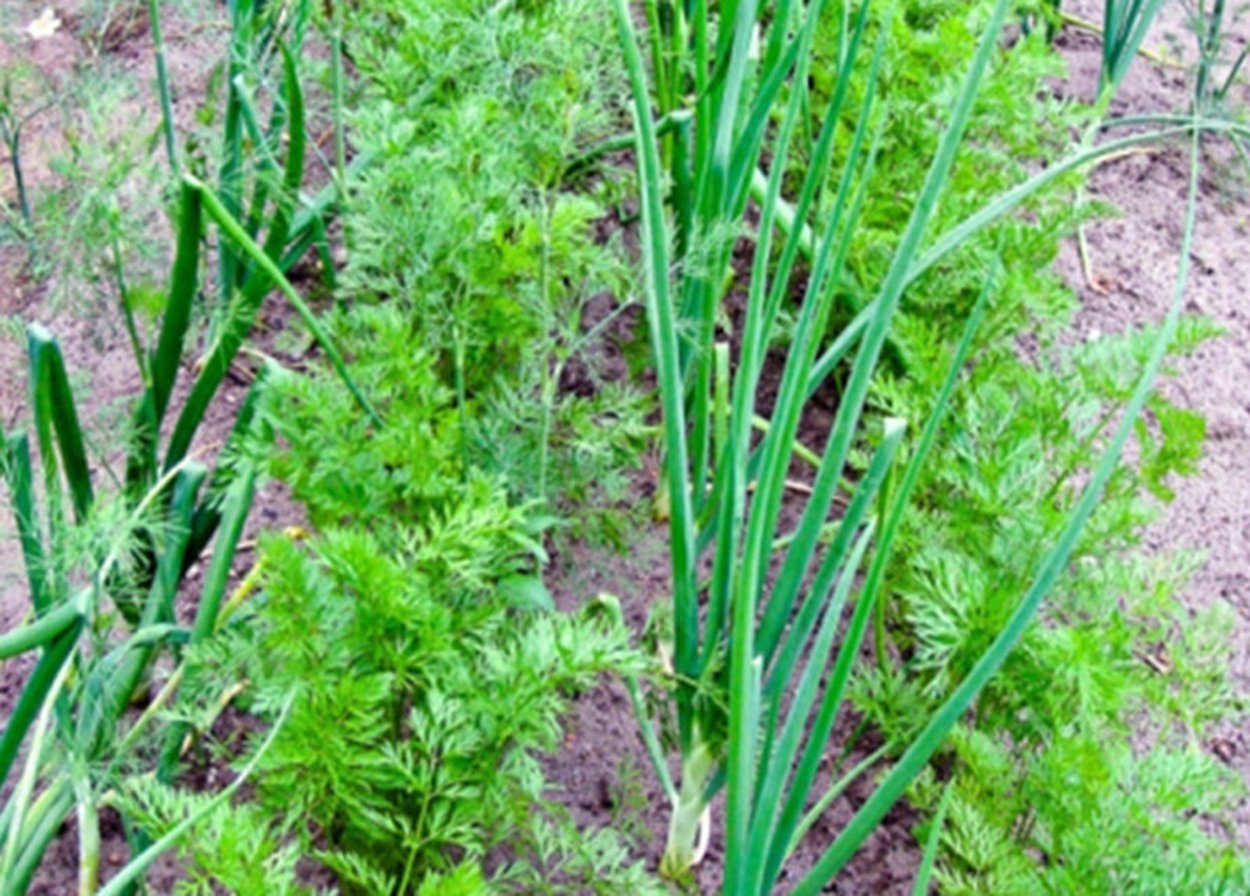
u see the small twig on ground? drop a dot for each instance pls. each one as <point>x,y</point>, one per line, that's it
<point>1093,280</point>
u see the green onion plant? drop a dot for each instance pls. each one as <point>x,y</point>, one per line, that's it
<point>16,112</point>
<point>162,83</point>
<point>769,619</point>
<point>103,572</point>
<point>1125,24</point>
<point>1210,24</point>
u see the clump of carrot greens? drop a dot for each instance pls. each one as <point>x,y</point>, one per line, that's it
<point>464,300</point>
<point>1021,426</point>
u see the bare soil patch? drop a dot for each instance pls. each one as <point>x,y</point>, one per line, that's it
<point>1134,257</point>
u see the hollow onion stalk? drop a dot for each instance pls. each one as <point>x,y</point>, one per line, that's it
<point>173,508</point>
<point>763,651</point>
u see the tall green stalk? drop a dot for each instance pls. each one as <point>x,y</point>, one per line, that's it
<point>12,122</point>
<point>162,84</point>
<point>336,96</point>
<point>763,648</point>
<point>11,137</point>
<point>1125,24</point>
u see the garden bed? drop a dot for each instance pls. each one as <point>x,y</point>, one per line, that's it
<point>600,772</point>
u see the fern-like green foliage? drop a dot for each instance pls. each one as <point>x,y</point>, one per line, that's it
<point>235,847</point>
<point>471,113</point>
<point>1101,817</point>
<point>430,670</point>
<point>424,698</point>
<point>1049,793</point>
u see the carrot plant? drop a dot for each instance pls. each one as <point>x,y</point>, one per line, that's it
<point>465,223</point>
<point>417,599</point>
<point>1035,769</point>
<point>399,763</point>
<point>761,652</point>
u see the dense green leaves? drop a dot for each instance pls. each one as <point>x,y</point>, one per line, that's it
<point>419,599</point>
<point>399,744</point>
